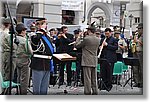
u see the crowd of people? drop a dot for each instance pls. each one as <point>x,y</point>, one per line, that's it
<point>84,45</point>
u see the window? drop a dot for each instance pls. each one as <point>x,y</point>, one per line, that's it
<point>68,17</point>
<point>137,19</point>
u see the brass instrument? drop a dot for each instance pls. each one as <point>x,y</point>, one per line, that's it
<point>133,47</point>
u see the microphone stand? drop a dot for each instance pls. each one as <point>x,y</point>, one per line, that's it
<point>11,48</point>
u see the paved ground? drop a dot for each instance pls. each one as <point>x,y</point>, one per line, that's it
<point>54,90</point>
<point>116,90</point>
<point>72,90</point>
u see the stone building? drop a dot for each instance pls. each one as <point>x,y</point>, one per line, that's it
<point>75,13</point>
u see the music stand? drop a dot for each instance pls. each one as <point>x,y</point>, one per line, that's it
<point>60,58</point>
<point>132,61</point>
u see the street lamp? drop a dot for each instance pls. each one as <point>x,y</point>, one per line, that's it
<point>130,18</point>
<point>101,21</point>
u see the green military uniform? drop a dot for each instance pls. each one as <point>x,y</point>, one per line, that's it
<point>4,30</point>
<point>89,47</point>
<point>6,57</point>
<point>138,71</point>
<point>23,53</point>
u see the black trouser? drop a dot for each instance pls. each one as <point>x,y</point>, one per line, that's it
<point>119,57</point>
<point>106,72</point>
<point>79,68</point>
<point>68,69</point>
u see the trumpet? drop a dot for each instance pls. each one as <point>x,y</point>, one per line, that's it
<point>101,48</point>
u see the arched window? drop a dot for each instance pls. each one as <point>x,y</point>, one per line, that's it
<point>23,9</point>
<point>68,17</point>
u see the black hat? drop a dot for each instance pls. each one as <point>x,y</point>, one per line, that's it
<point>59,29</point>
<point>76,32</point>
<point>6,21</point>
<point>140,25</point>
<point>20,27</point>
<point>91,28</point>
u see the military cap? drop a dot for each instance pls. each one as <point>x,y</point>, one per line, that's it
<point>140,25</point>
<point>6,21</point>
<point>20,27</point>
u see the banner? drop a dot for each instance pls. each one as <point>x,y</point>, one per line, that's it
<point>75,5</point>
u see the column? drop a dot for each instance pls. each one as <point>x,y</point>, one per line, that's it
<point>38,8</point>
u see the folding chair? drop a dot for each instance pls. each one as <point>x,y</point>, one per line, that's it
<point>118,66</point>
<point>125,70</point>
<point>74,73</point>
<point>5,85</point>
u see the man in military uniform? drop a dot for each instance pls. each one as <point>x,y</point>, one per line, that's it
<point>5,25</point>
<point>4,30</point>
<point>41,67</point>
<point>121,46</point>
<point>5,44</point>
<point>89,45</point>
<point>24,51</point>
<point>138,71</point>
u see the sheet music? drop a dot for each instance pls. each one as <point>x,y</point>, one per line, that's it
<point>64,56</point>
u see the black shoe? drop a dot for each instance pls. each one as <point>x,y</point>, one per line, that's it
<point>65,91</point>
<point>136,85</point>
<point>140,86</point>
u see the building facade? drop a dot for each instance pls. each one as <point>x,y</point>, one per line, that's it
<point>105,13</point>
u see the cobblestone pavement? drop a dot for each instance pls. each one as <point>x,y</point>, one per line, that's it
<point>116,89</point>
<point>72,90</point>
<point>54,90</point>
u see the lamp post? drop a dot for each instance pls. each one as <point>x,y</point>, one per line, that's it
<point>130,18</point>
<point>100,21</point>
